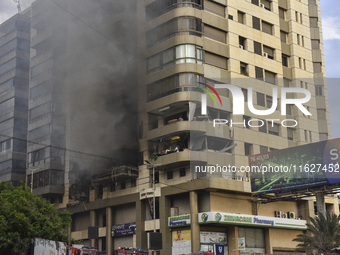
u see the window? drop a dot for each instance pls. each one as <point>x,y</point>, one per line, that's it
<point>298,39</point>
<point>256,23</point>
<point>170,85</point>
<point>260,99</point>
<point>274,129</point>
<point>215,34</point>
<point>169,175</point>
<point>231,17</point>
<point>284,36</point>
<point>242,42</point>
<point>270,77</point>
<point>268,52</point>
<point>244,68</point>
<point>245,93</point>
<point>263,149</point>
<point>256,2</point>
<point>319,90</point>
<point>216,60</point>
<point>215,8</point>
<point>289,109</point>
<point>267,28</point>
<point>266,4</point>
<point>254,238</point>
<point>282,13</point>
<point>296,16</point>
<point>156,177</point>
<point>177,26</point>
<point>287,82</point>
<point>241,17</point>
<point>257,48</point>
<point>285,60</point>
<point>290,134</point>
<point>160,7</point>
<point>259,73</point>
<point>5,146</point>
<point>182,172</point>
<point>185,53</point>
<point>248,149</point>
<point>133,183</point>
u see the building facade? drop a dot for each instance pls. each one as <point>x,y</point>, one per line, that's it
<point>184,46</point>
<point>119,99</point>
<point>14,77</point>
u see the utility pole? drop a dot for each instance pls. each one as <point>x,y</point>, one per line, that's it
<point>153,189</point>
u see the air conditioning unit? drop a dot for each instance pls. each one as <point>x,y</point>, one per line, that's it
<point>278,214</point>
<point>265,54</point>
<point>284,215</point>
<point>174,211</point>
<point>241,47</point>
<point>291,215</point>
<point>262,6</point>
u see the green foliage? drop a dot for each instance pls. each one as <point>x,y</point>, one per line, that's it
<point>24,216</point>
<point>323,234</point>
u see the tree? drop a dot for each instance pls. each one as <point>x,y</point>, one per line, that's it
<point>323,234</point>
<point>24,216</point>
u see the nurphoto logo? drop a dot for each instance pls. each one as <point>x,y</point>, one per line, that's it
<point>239,105</point>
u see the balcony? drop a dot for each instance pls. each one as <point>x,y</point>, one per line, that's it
<point>119,173</point>
<point>49,190</point>
<point>176,126</point>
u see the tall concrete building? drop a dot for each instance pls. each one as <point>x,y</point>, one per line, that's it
<point>182,48</point>
<point>14,76</point>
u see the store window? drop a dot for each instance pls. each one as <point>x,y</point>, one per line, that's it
<point>254,239</point>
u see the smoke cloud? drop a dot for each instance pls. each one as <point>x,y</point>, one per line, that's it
<point>95,84</point>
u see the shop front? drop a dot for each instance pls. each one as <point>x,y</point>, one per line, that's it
<point>246,234</point>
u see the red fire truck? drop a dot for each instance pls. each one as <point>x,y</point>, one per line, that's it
<point>78,249</point>
<point>129,251</point>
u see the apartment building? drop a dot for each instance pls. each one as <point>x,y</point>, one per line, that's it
<point>14,75</point>
<point>179,50</point>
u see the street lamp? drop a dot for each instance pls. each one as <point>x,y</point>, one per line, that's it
<point>153,188</point>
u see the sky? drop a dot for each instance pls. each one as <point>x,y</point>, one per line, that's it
<point>330,10</point>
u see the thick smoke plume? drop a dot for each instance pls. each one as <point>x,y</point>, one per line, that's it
<point>96,86</point>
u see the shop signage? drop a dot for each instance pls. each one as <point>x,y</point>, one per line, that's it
<point>179,221</point>
<point>241,243</point>
<point>250,220</point>
<point>124,229</point>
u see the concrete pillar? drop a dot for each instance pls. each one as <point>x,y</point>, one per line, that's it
<point>164,208</point>
<point>232,240</point>
<point>269,248</point>
<point>195,228</point>
<point>140,227</point>
<point>320,203</point>
<point>109,243</point>
<point>92,224</point>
